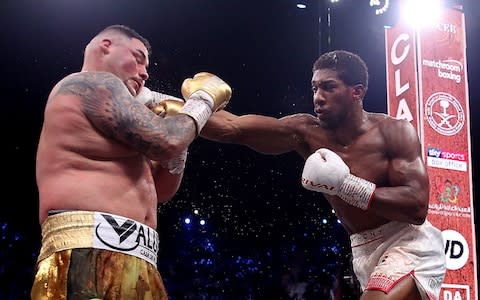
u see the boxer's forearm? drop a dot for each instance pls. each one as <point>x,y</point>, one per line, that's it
<point>219,127</point>
<point>263,134</point>
<point>401,203</point>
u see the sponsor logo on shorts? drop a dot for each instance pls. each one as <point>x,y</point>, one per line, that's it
<point>360,239</point>
<point>444,114</point>
<point>435,282</point>
<point>124,235</point>
<point>443,159</point>
<point>456,249</point>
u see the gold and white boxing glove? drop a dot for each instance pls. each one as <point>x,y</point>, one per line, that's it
<point>160,104</point>
<point>165,105</point>
<point>218,90</point>
<point>205,93</point>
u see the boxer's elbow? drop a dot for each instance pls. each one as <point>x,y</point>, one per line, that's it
<point>419,219</point>
<point>164,198</point>
<point>165,150</point>
<point>419,211</point>
<point>225,134</point>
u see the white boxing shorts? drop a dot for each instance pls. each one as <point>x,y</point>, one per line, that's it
<point>384,256</point>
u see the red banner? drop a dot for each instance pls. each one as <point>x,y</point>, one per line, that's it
<point>444,128</point>
<point>402,74</point>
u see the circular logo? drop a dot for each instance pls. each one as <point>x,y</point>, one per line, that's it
<point>456,249</point>
<point>444,113</point>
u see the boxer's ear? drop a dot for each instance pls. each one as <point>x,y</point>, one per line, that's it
<point>105,45</point>
<point>358,92</point>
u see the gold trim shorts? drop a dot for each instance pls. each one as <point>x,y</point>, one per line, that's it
<point>382,257</point>
<point>93,255</point>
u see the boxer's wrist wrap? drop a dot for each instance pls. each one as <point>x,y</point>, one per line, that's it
<point>199,110</point>
<point>357,191</point>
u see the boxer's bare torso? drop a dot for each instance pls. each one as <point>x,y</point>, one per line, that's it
<point>80,169</point>
<point>366,152</point>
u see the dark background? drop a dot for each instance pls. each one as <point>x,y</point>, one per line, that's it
<point>261,226</point>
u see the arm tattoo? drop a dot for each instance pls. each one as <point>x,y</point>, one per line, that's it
<point>111,108</point>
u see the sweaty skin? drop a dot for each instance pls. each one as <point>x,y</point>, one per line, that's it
<point>99,148</point>
<point>376,147</point>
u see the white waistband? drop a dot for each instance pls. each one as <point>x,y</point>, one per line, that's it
<point>85,229</point>
<point>125,235</point>
<point>368,236</point>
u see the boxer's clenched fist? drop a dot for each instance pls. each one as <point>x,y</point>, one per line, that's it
<point>160,104</point>
<point>218,91</point>
<point>326,172</point>
<point>205,93</point>
<point>167,107</point>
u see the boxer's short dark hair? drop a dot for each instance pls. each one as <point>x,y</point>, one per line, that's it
<point>129,32</point>
<point>350,67</point>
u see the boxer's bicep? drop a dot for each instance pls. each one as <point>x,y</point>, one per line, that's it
<point>406,166</point>
<point>404,195</point>
<point>409,191</point>
<point>112,110</point>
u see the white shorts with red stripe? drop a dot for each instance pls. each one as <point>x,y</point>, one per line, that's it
<point>384,256</point>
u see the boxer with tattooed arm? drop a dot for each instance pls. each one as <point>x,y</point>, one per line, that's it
<point>104,163</point>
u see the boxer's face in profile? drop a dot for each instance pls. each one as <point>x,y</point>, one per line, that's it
<point>332,98</point>
<point>128,59</point>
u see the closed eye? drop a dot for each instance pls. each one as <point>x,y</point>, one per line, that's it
<point>140,57</point>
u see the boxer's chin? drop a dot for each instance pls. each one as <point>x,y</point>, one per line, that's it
<point>132,87</point>
<point>132,91</point>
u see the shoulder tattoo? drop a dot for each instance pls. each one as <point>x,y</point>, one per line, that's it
<point>111,108</point>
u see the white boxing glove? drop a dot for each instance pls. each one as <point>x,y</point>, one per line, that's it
<point>145,95</point>
<point>176,165</point>
<point>326,172</point>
